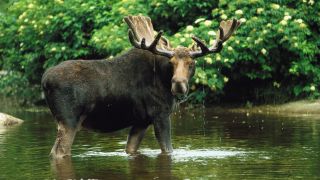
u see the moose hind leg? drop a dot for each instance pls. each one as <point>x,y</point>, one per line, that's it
<point>64,139</point>
<point>135,137</point>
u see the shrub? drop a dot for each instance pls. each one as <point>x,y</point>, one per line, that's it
<point>277,46</point>
<point>35,35</point>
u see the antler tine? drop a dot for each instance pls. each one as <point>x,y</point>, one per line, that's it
<point>231,30</point>
<point>165,41</point>
<point>143,44</point>
<point>152,47</point>
<point>128,20</point>
<point>132,39</point>
<point>156,40</point>
<point>222,36</point>
<point>221,33</point>
<point>201,44</point>
<point>217,46</point>
<point>141,36</point>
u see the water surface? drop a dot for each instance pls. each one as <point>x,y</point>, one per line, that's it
<point>208,144</point>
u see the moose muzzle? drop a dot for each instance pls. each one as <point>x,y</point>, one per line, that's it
<point>179,86</point>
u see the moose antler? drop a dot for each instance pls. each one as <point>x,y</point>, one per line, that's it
<point>226,29</point>
<point>141,36</point>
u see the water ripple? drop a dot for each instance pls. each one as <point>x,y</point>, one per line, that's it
<point>177,155</point>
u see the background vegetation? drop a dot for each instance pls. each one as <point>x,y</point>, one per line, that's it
<point>273,56</point>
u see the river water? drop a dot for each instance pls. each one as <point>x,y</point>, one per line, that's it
<point>208,144</point>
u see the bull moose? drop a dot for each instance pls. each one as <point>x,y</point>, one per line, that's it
<point>136,89</point>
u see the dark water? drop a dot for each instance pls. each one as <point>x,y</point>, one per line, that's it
<point>208,145</point>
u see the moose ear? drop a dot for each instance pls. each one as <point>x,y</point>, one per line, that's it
<point>194,47</point>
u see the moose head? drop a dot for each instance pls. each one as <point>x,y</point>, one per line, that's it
<point>141,36</point>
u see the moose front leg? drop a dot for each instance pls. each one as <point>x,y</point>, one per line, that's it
<point>134,139</point>
<point>162,130</point>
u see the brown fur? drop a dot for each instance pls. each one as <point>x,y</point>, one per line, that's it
<point>183,69</point>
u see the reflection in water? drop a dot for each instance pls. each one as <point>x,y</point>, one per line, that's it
<point>142,168</point>
<point>3,131</point>
<point>148,164</point>
<point>63,168</point>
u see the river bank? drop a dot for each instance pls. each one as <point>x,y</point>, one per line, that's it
<point>296,108</point>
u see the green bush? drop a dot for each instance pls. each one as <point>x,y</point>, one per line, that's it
<point>276,46</point>
<point>35,35</point>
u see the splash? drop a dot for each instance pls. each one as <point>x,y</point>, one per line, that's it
<point>177,155</point>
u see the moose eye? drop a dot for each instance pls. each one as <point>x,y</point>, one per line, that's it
<point>170,64</point>
<point>191,64</point>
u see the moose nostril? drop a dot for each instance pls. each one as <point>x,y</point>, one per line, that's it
<point>179,88</point>
<point>179,80</point>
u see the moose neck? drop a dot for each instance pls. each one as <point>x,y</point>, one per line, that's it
<point>164,70</point>
<point>151,70</point>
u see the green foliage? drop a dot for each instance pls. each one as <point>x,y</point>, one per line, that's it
<point>112,38</point>
<point>277,44</point>
<point>35,35</point>
<point>172,15</point>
